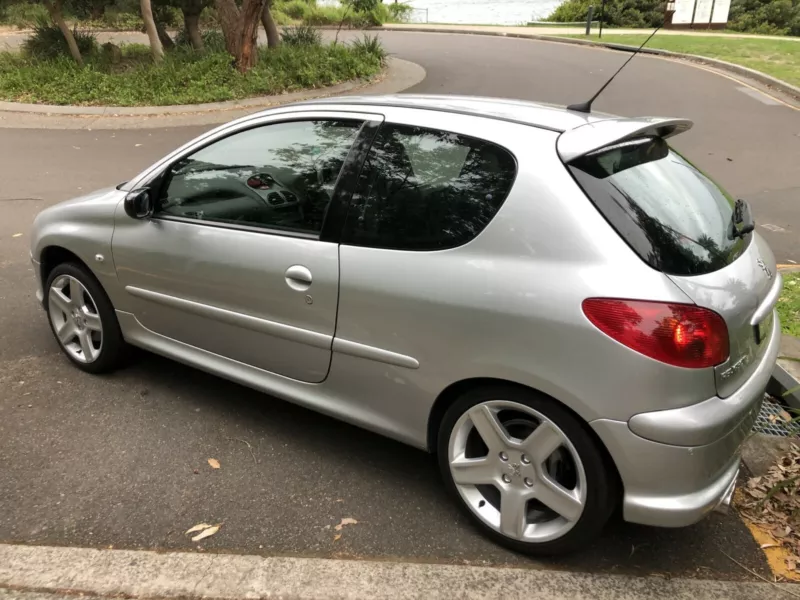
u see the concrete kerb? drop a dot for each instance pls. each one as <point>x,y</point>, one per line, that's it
<point>146,574</point>
<point>763,78</point>
<point>399,75</point>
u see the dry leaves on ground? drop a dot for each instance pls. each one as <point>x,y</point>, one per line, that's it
<point>345,521</point>
<point>205,530</point>
<point>773,502</point>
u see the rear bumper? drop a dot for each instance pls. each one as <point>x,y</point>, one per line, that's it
<point>683,463</point>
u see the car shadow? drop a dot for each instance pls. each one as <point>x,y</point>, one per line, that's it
<point>390,483</point>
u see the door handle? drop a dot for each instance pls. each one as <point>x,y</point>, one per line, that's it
<point>298,278</point>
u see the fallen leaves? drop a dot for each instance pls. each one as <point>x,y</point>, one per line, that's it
<point>213,463</point>
<point>345,521</point>
<point>772,501</point>
<point>205,530</point>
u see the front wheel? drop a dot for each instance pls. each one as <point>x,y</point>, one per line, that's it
<point>82,319</point>
<point>525,470</point>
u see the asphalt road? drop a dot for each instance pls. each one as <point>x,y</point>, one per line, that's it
<point>121,460</point>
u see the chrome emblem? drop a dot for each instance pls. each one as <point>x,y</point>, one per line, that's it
<point>764,268</point>
<point>514,470</point>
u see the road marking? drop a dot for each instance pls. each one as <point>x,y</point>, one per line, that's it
<point>771,227</point>
<point>763,98</point>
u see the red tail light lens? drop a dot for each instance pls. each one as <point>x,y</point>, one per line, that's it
<point>682,335</point>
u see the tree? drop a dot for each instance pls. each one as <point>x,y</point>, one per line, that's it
<point>152,31</point>
<point>54,7</point>
<point>240,28</point>
<point>191,20</point>
<point>273,37</point>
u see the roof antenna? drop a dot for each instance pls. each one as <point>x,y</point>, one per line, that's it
<point>586,107</point>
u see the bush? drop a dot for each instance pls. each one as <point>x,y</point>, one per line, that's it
<point>23,15</point>
<point>399,12</point>
<point>47,42</point>
<point>302,35</point>
<point>776,17</point>
<point>213,40</point>
<point>296,9</point>
<point>183,77</point>
<point>371,46</point>
<point>618,13</point>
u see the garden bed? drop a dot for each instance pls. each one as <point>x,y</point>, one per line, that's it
<point>184,77</point>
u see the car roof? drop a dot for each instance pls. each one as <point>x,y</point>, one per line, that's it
<point>546,116</point>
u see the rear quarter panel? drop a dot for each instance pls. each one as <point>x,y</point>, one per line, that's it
<point>507,305</point>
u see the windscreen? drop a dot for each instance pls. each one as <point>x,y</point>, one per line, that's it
<point>667,210</point>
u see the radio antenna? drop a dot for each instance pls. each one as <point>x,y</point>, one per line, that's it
<point>586,107</point>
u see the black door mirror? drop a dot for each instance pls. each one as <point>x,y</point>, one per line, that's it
<point>139,204</point>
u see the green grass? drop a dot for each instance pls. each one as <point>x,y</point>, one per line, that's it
<point>779,58</point>
<point>789,304</point>
<point>184,77</point>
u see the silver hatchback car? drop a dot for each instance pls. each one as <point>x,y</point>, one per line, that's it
<point>565,310</point>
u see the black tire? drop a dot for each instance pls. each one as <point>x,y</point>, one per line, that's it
<point>601,478</point>
<point>112,351</point>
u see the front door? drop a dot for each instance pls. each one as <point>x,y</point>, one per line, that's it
<point>232,260</point>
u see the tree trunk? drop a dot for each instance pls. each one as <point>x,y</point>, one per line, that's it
<point>249,21</point>
<point>163,37</point>
<point>191,23</point>
<point>273,37</point>
<point>152,31</point>
<point>54,8</point>
<point>228,15</point>
<point>98,9</point>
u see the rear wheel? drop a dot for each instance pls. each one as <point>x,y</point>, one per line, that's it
<point>82,319</point>
<point>525,470</point>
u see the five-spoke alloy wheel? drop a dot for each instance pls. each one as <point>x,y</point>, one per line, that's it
<point>525,469</point>
<point>82,318</point>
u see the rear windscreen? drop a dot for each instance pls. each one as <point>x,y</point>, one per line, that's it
<point>670,213</point>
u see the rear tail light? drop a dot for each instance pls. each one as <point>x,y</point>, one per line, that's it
<point>682,335</point>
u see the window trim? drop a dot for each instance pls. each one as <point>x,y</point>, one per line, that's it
<point>370,123</point>
<point>346,236</point>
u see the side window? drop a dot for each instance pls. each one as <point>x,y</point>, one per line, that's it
<point>278,176</point>
<point>424,189</point>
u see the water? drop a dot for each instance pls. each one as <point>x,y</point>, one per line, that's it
<point>481,12</point>
<point>477,12</point>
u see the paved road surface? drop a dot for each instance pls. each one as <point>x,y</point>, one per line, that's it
<point>121,460</point>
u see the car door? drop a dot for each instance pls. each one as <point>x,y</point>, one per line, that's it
<point>234,260</point>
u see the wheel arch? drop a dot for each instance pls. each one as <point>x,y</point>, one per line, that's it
<point>455,390</point>
<point>52,256</point>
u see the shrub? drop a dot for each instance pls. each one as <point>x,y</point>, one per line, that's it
<point>371,46</point>
<point>302,35</point>
<point>47,42</point>
<point>213,40</point>
<point>777,17</point>
<point>183,77</point>
<point>23,15</point>
<point>618,13</point>
<point>399,12</point>
<point>295,9</point>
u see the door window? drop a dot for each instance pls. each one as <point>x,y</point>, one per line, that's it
<point>424,189</point>
<point>278,176</point>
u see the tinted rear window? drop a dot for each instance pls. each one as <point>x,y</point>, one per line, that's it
<point>667,210</point>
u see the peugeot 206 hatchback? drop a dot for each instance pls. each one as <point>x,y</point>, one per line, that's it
<point>561,307</point>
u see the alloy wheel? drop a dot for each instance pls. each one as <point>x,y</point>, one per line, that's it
<point>517,471</point>
<point>76,322</point>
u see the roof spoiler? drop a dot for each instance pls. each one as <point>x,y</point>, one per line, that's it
<point>593,136</point>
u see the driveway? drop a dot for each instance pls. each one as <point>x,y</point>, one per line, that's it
<point>121,460</point>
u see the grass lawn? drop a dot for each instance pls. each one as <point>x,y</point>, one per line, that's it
<point>789,304</point>
<point>779,58</point>
<point>184,77</point>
